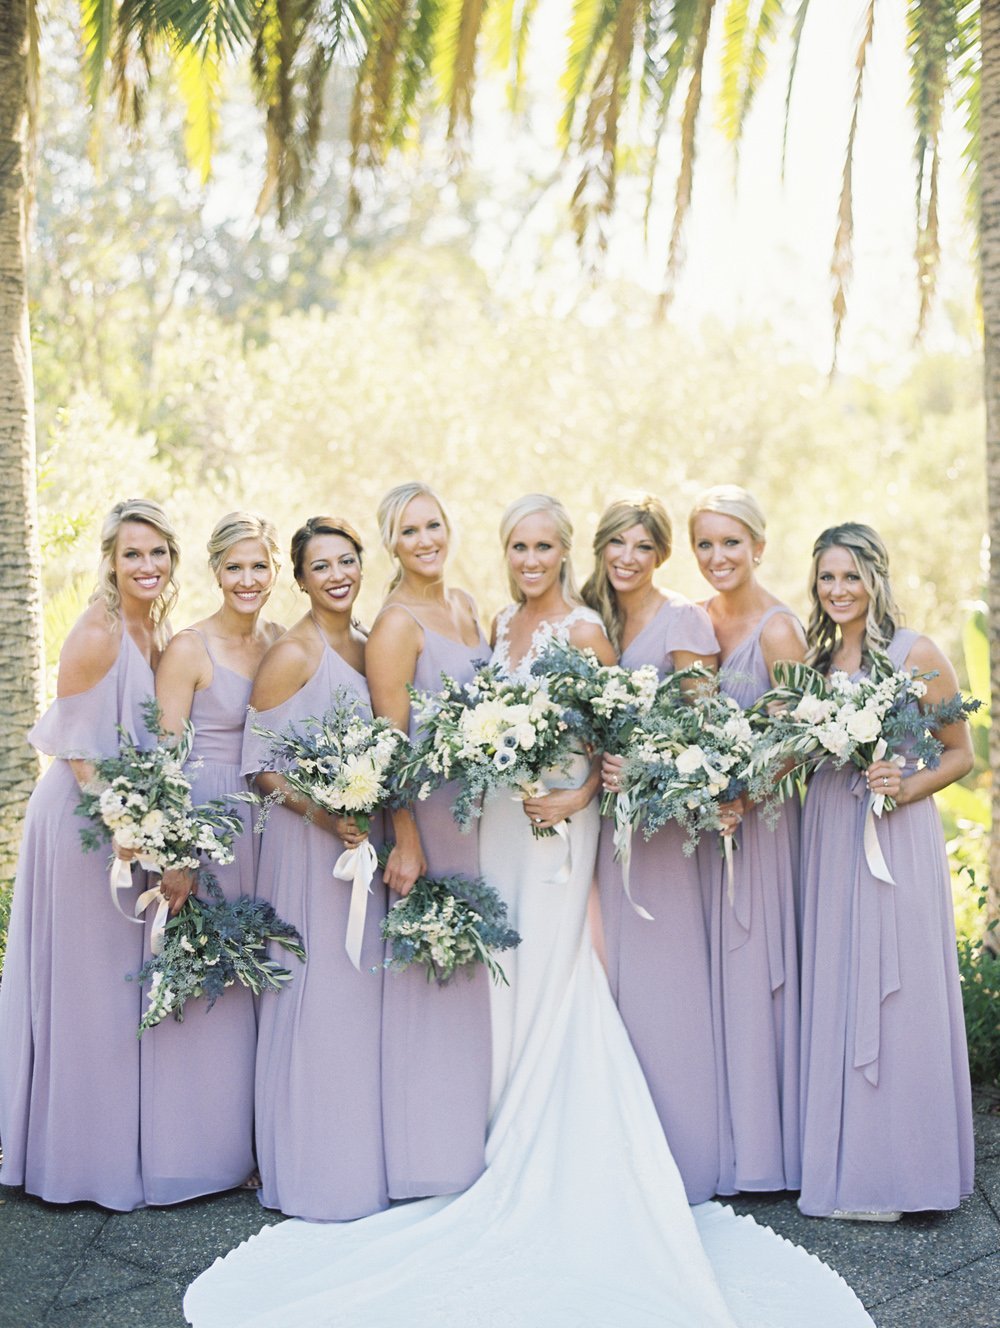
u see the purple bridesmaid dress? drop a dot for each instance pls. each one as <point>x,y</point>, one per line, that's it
<point>197,1076</point>
<point>886,1102</point>
<point>318,1096</point>
<point>436,1047</point>
<point>659,971</point>
<point>755,980</point>
<point>69,1056</point>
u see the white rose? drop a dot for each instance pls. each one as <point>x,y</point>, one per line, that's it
<point>863,726</point>
<point>153,822</point>
<point>835,739</point>
<point>689,760</point>
<point>813,710</point>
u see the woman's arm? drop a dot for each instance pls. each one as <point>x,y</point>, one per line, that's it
<point>391,656</point>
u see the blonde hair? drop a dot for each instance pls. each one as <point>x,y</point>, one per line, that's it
<point>236,526</point>
<point>530,505</point>
<point>151,514</point>
<point>390,519</point>
<point>731,500</point>
<point>617,517</point>
<point>872,561</point>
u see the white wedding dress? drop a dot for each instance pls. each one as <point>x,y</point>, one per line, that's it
<point>580,1219</point>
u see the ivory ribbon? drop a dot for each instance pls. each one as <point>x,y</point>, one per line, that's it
<point>727,853</point>
<point>358,866</point>
<point>151,896</point>
<point>623,849</point>
<point>120,879</point>
<point>874,856</point>
<point>538,790</point>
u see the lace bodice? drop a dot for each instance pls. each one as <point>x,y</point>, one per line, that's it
<point>546,632</point>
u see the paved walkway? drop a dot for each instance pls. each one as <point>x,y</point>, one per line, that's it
<point>77,1266</point>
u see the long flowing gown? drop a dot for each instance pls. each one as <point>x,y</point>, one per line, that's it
<point>69,1057</point>
<point>197,1076</point>
<point>436,1040</point>
<point>659,970</point>
<point>755,972</point>
<point>886,1101</point>
<point>318,1081</point>
<point>580,1219</point>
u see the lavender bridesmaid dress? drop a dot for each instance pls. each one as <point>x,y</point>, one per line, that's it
<point>197,1077</point>
<point>659,971</point>
<point>436,1047</point>
<point>69,1056</point>
<point>755,979</point>
<point>318,1112</point>
<point>886,1102</point>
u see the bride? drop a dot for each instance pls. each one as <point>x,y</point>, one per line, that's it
<point>580,1219</point>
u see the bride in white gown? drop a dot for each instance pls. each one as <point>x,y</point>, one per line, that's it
<point>580,1219</point>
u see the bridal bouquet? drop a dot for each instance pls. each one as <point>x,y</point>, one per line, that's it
<point>684,761</point>
<point>490,732</point>
<point>446,923</point>
<point>143,799</point>
<point>344,762</point>
<point>814,718</point>
<point>208,946</point>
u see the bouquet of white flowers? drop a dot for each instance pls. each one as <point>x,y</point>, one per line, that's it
<point>208,946</point>
<point>346,763</point>
<point>810,719</point>
<point>447,923</point>
<point>490,732</point>
<point>143,799</point>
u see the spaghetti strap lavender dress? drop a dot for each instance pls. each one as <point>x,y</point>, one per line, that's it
<point>197,1076</point>
<point>755,975</point>
<point>886,1102</point>
<point>69,1056</point>
<point>659,971</point>
<point>318,1093</point>
<point>436,1045</point>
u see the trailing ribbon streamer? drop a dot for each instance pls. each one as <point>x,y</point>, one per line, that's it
<point>877,864</point>
<point>153,895</point>
<point>727,853</point>
<point>623,849</point>
<point>120,878</point>
<point>358,866</point>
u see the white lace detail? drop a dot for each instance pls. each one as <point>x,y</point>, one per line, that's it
<point>544,633</point>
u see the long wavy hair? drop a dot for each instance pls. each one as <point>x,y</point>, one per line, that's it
<point>390,520</point>
<point>617,517</point>
<point>321,525</point>
<point>872,561</point>
<point>106,590</point>
<point>530,505</point>
<point>236,526</point>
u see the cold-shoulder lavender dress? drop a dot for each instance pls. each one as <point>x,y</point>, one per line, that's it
<point>659,971</point>
<point>436,1047</point>
<point>886,1103</point>
<point>69,1056</point>
<point>318,1095</point>
<point>197,1076</point>
<point>755,976</point>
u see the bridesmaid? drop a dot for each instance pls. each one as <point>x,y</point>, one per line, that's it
<point>435,1040</point>
<point>752,939</point>
<point>886,1102</point>
<point>658,970</point>
<point>318,1119</point>
<point>205,675</point>
<point>69,1057</point>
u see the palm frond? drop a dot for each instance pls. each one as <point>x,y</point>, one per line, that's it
<point>98,20</point>
<point>744,59</point>
<point>590,24</point>
<point>454,60</point>
<point>373,106</point>
<point>798,27</point>
<point>842,262</point>
<point>417,53</point>
<point>685,176</point>
<point>507,27</point>
<point>968,60</point>
<point>667,54</point>
<point>224,27</point>
<point>200,82</point>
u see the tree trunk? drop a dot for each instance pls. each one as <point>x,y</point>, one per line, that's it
<point>20,599</point>
<point>989,240</point>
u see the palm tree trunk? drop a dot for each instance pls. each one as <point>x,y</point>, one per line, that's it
<point>20,601</point>
<point>989,240</point>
